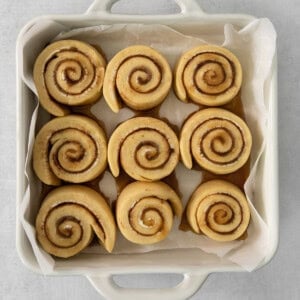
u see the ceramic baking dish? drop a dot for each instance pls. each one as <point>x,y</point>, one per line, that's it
<point>100,271</point>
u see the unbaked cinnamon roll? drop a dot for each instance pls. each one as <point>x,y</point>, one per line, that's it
<point>146,148</point>
<point>139,76</point>
<point>68,73</point>
<point>208,75</point>
<point>219,210</point>
<point>217,139</point>
<point>70,216</point>
<point>71,148</point>
<point>145,211</point>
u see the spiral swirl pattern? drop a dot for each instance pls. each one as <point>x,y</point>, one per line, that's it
<point>208,75</point>
<point>219,210</point>
<point>145,211</point>
<point>68,73</point>
<point>139,76</point>
<point>218,140</point>
<point>147,149</point>
<point>69,217</point>
<point>71,148</point>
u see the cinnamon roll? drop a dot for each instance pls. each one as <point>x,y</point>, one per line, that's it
<point>139,76</point>
<point>217,139</point>
<point>69,217</point>
<point>71,148</point>
<point>68,73</point>
<point>219,210</point>
<point>208,75</point>
<point>145,211</point>
<point>147,149</point>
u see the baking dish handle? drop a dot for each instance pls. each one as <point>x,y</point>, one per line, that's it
<point>107,287</point>
<point>187,7</point>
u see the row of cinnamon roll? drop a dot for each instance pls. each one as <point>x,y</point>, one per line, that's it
<point>71,73</point>
<point>71,215</point>
<point>74,148</point>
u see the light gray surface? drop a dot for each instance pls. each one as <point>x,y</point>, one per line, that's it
<point>278,280</point>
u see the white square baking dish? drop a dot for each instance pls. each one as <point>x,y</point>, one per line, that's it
<point>194,264</point>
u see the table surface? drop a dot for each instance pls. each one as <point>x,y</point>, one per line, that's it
<point>279,279</point>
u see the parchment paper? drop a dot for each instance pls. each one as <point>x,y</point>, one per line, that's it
<point>254,45</point>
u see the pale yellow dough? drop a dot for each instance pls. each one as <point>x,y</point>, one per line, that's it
<point>68,73</point>
<point>218,140</point>
<point>139,76</point>
<point>70,216</point>
<point>219,210</point>
<point>145,211</point>
<point>71,148</point>
<point>208,75</point>
<point>147,149</point>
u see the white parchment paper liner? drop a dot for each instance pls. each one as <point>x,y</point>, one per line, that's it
<point>254,45</point>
